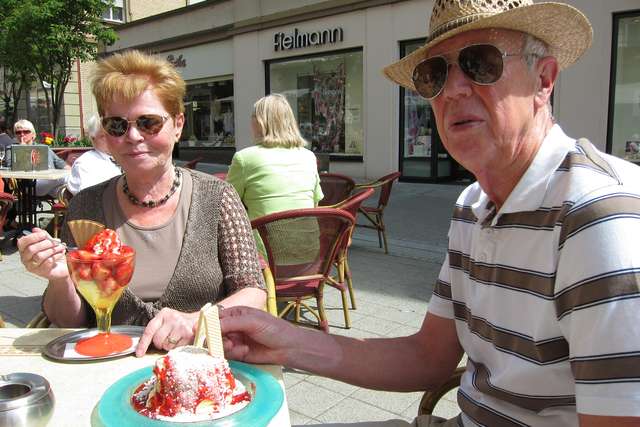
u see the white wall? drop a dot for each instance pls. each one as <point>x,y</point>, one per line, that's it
<point>248,84</point>
<point>205,60</point>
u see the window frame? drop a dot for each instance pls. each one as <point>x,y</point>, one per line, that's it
<point>615,28</point>
<point>267,86</point>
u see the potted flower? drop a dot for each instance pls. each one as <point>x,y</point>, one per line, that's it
<point>46,138</point>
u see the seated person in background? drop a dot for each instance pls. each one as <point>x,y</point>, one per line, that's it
<point>5,139</point>
<point>25,135</point>
<point>191,234</point>
<point>278,173</point>
<point>94,166</point>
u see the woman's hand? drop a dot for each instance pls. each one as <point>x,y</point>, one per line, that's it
<point>167,330</point>
<point>256,336</point>
<point>42,256</point>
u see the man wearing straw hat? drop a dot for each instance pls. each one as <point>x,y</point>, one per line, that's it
<point>540,287</point>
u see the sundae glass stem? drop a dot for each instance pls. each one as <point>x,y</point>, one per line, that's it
<point>103,320</point>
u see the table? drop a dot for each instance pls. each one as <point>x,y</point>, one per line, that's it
<point>27,190</point>
<point>20,351</point>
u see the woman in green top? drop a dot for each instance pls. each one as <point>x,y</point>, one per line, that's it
<point>277,173</point>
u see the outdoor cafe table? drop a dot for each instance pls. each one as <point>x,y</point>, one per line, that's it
<point>77,387</point>
<point>27,190</point>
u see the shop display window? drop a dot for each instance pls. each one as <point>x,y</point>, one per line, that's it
<point>209,118</point>
<point>325,93</point>
<point>417,134</point>
<point>624,110</point>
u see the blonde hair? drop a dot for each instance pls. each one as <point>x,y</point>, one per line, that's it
<point>124,76</point>
<point>278,126</point>
<point>24,124</point>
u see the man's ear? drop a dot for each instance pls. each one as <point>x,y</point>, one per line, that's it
<point>546,74</point>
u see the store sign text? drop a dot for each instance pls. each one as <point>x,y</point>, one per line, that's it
<point>299,40</point>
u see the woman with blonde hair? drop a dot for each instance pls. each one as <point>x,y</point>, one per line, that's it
<point>278,173</point>
<point>191,234</point>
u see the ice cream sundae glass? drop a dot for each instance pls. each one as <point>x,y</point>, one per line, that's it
<point>101,271</point>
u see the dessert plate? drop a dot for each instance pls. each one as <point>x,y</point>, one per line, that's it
<point>56,348</point>
<point>115,410</point>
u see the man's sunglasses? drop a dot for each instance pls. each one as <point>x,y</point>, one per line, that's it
<point>150,124</point>
<point>482,63</point>
<point>22,132</point>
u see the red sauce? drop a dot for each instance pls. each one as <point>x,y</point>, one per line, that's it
<point>103,344</point>
<point>244,397</point>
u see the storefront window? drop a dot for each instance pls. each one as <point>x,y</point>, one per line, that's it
<point>209,115</point>
<point>325,93</point>
<point>624,120</point>
<point>418,137</point>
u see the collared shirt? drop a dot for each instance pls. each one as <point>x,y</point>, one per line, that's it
<point>91,168</point>
<point>545,292</point>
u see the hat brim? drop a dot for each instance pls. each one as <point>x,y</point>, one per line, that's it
<point>563,27</point>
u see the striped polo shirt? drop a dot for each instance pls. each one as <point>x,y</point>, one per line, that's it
<point>545,292</point>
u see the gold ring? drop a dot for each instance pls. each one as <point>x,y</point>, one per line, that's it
<point>172,341</point>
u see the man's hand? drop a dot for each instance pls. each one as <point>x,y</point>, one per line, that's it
<point>255,336</point>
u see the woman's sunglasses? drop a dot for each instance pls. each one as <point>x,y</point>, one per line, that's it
<point>22,132</point>
<point>482,63</point>
<point>150,124</point>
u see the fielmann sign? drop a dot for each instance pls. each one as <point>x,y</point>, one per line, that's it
<point>299,40</point>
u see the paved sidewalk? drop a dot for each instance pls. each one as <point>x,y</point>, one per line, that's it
<point>392,294</point>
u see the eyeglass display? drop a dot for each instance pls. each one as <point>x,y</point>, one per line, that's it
<point>209,115</point>
<point>325,93</point>
<point>624,123</point>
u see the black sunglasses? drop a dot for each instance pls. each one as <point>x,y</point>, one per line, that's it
<point>482,63</point>
<point>150,124</point>
<point>22,132</point>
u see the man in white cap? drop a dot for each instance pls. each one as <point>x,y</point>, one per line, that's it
<point>541,284</point>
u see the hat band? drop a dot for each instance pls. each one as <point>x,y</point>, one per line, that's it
<point>451,25</point>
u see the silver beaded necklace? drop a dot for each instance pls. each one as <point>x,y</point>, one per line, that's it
<point>152,203</point>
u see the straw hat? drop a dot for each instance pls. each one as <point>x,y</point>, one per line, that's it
<point>564,28</point>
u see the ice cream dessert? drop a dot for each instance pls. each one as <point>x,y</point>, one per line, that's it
<point>190,385</point>
<point>101,269</point>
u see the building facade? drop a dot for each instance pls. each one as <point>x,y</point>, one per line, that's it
<point>326,57</point>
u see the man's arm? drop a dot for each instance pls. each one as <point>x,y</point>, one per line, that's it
<point>421,361</point>
<point>601,421</point>
<point>418,362</point>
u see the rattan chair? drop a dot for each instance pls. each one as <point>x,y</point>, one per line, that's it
<point>374,214</point>
<point>430,398</point>
<point>39,321</point>
<point>301,246</point>
<point>350,205</point>
<point>335,188</point>
<point>191,164</point>
<point>6,201</point>
<point>59,209</point>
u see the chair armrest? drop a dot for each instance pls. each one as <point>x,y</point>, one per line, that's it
<point>430,398</point>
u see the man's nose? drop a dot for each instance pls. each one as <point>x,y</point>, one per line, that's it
<point>458,83</point>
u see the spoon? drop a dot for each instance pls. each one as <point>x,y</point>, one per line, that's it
<point>53,240</point>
